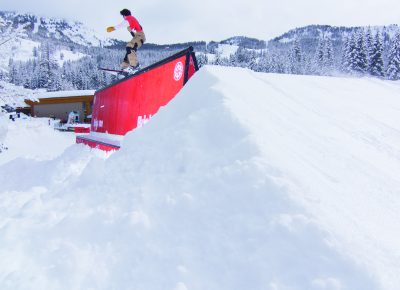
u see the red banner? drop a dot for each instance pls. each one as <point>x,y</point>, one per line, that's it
<point>131,102</point>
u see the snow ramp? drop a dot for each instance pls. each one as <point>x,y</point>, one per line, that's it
<point>131,102</point>
<point>243,181</point>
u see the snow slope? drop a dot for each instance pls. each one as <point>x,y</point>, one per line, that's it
<point>32,138</point>
<point>244,181</point>
<point>54,28</point>
<point>63,55</point>
<point>18,49</point>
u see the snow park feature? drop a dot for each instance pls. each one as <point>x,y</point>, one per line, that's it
<point>132,101</point>
<point>293,184</point>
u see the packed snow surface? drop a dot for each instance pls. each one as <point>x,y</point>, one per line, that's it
<point>32,138</point>
<point>243,181</point>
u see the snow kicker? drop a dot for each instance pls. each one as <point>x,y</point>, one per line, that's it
<point>129,103</point>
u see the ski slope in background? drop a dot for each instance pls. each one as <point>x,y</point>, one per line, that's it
<point>20,49</point>
<point>243,181</point>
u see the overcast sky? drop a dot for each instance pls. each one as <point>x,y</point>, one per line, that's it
<point>187,20</point>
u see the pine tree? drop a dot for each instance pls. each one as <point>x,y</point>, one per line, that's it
<point>218,58</point>
<point>44,66</point>
<point>308,65</point>
<point>48,69</point>
<point>35,52</point>
<point>12,71</point>
<point>352,53</point>
<point>376,67</point>
<point>55,84</point>
<point>253,60</point>
<point>361,60</point>
<point>202,59</point>
<point>328,56</point>
<point>393,70</point>
<point>369,43</point>
<point>319,57</point>
<point>34,79</point>
<point>295,58</point>
<point>263,63</point>
<point>346,49</point>
<point>241,57</point>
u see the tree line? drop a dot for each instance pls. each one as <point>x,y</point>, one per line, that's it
<point>44,72</point>
<point>359,53</point>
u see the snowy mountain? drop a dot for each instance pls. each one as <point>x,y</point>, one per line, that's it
<point>314,32</point>
<point>308,39</point>
<point>41,28</point>
<point>245,42</point>
<point>292,186</point>
<point>74,53</point>
<point>65,54</point>
<point>23,35</point>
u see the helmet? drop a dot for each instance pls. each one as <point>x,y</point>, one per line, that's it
<point>125,12</point>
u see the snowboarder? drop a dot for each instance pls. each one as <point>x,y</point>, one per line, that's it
<point>130,63</point>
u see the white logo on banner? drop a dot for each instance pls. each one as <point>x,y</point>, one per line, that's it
<point>97,124</point>
<point>178,71</point>
<point>142,120</point>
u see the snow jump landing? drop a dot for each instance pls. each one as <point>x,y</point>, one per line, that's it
<point>129,103</point>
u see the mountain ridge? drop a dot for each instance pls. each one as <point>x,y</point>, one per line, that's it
<point>77,32</point>
<point>78,50</point>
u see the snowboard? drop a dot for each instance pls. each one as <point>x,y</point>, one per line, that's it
<point>116,72</point>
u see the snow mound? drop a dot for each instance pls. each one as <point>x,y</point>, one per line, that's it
<point>32,138</point>
<point>243,181</point>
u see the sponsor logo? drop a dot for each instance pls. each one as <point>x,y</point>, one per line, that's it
<point>178,71</point>
<point>142,120</point>
<point>97,124</point>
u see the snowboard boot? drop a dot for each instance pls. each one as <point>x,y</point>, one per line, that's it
<point>132,69</point>
<point>122,75</point>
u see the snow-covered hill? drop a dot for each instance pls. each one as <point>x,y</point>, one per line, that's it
<point>52,28</point>
<point>244,181</point>
<point>311,33</point>
<point>23,33</point>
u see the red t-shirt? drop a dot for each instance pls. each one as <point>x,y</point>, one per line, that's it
<point>133,23</point>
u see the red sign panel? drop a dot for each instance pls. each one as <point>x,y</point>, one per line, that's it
<point>131,102</point>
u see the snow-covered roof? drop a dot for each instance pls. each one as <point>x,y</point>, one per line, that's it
<point>64,94</point>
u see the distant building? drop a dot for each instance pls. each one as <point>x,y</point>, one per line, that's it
<point>59,104</point>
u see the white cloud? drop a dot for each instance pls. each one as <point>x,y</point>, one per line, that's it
<point>183,20</point>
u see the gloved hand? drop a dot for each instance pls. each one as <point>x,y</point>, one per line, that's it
<point>110,29</point>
